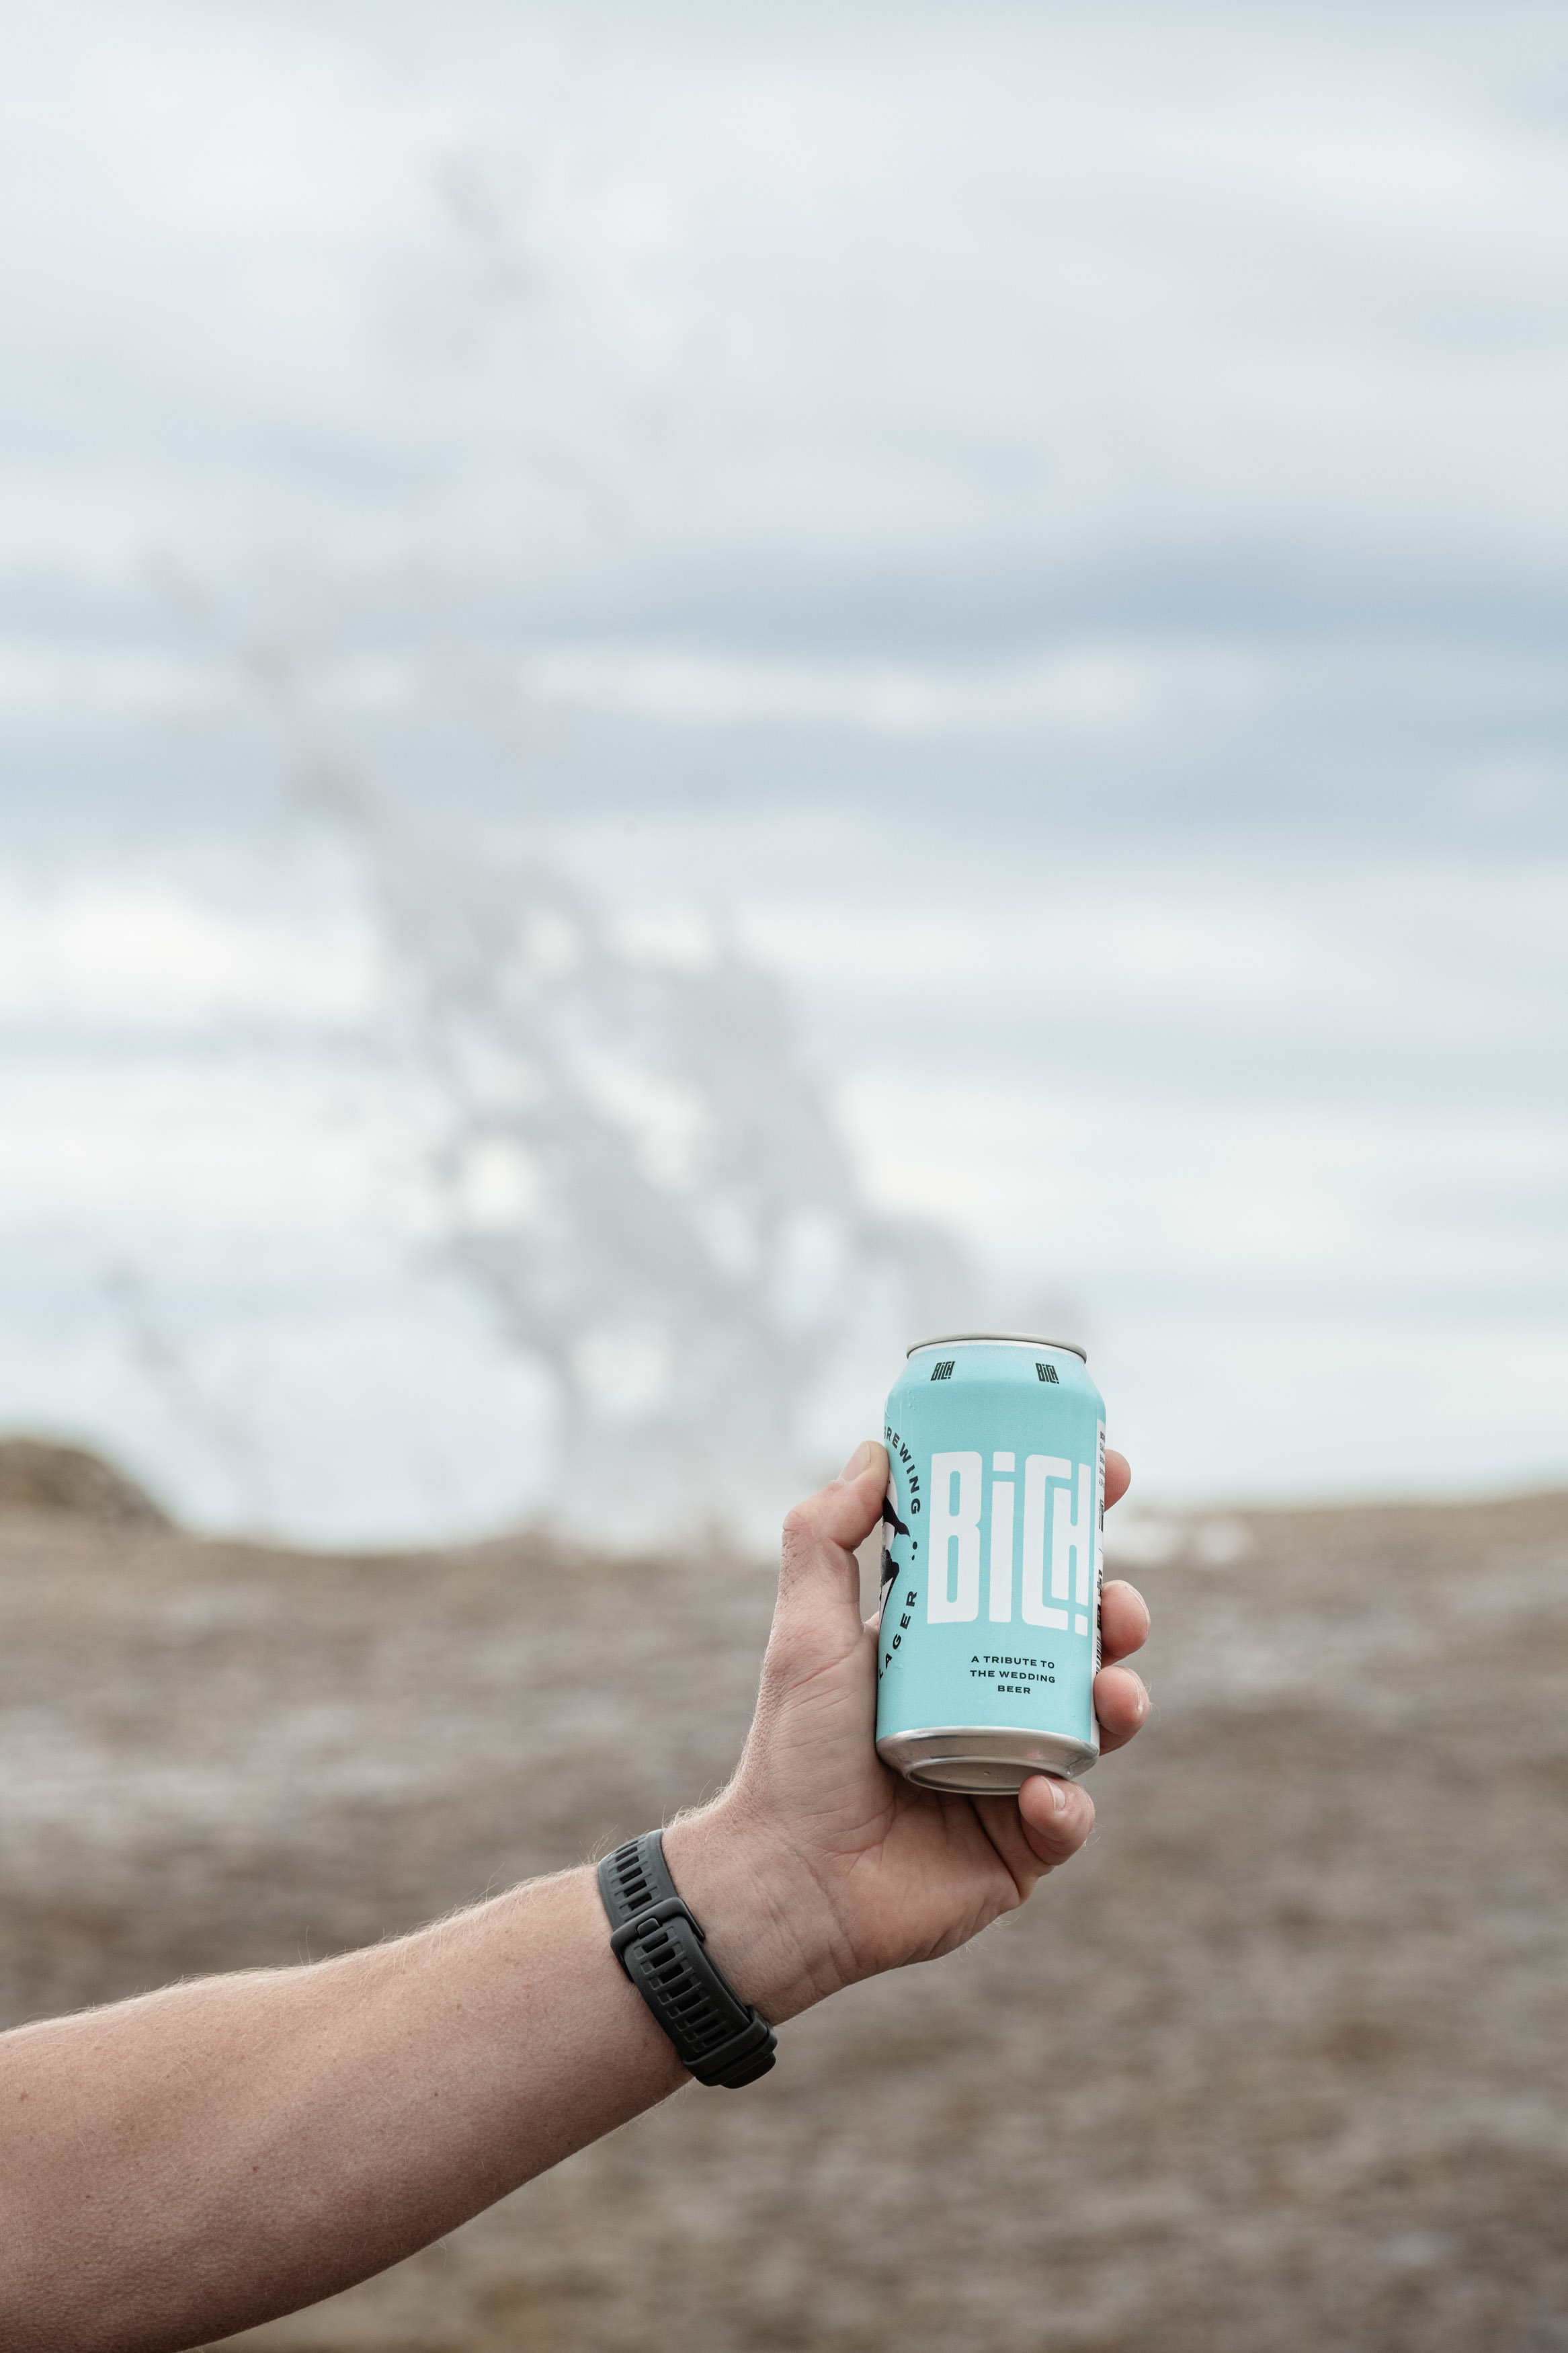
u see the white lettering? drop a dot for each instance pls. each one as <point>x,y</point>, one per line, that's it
<point>1002,1546</point>
<point>953,1525</point>
<point>1038,1472</point>
<point>1072,1537</point>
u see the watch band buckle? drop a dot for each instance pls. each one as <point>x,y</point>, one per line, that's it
<point>647,1921</point>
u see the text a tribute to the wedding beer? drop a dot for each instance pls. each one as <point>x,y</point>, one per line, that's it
<point>992,1561</point>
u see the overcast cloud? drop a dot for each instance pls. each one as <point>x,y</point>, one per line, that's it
<point>1055,521</point>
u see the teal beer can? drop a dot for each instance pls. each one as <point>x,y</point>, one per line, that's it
<point>992,1559</point>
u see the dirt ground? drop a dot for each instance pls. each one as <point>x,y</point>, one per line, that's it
<point>1278,2063</point>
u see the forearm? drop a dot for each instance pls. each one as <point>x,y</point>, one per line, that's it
<point>180,2166</point>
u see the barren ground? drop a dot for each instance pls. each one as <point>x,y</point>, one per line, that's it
<point>1277,2063</point>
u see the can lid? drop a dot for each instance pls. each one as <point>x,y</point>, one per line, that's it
<point>1008,1339</point>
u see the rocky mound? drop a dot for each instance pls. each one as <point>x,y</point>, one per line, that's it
<point>36,1474</point>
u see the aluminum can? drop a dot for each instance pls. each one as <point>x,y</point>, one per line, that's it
<point>992,1560</point>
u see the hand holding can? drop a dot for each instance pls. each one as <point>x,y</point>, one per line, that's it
<point>862,1869</point>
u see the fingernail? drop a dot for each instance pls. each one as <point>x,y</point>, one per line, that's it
<point>858,1460</point>
<point>1058,1790</point>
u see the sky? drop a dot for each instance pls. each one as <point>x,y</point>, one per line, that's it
<point>1048,527</point>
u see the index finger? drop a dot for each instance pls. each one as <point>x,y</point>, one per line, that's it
<point>1123,1621</point>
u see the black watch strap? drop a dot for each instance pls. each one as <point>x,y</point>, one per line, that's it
<point>718,2038</point>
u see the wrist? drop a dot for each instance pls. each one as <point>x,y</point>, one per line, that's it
<point>764,1912</point>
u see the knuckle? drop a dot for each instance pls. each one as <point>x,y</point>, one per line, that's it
<point>1075,1825</point>
<point>799,1526</point>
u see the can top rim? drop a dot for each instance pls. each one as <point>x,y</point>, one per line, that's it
<point>1003,1339</point>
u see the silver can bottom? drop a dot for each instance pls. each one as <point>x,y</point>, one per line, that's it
<point>983,1760</point>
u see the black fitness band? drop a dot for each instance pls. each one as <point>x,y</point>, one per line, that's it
<point>718,2038</point>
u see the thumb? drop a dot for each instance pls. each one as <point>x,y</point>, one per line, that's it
<point>818,1565</point>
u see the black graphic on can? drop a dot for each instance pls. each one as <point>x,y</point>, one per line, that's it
<point>892,1529</point>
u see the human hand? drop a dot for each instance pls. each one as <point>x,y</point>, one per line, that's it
<point>818,1865</point>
